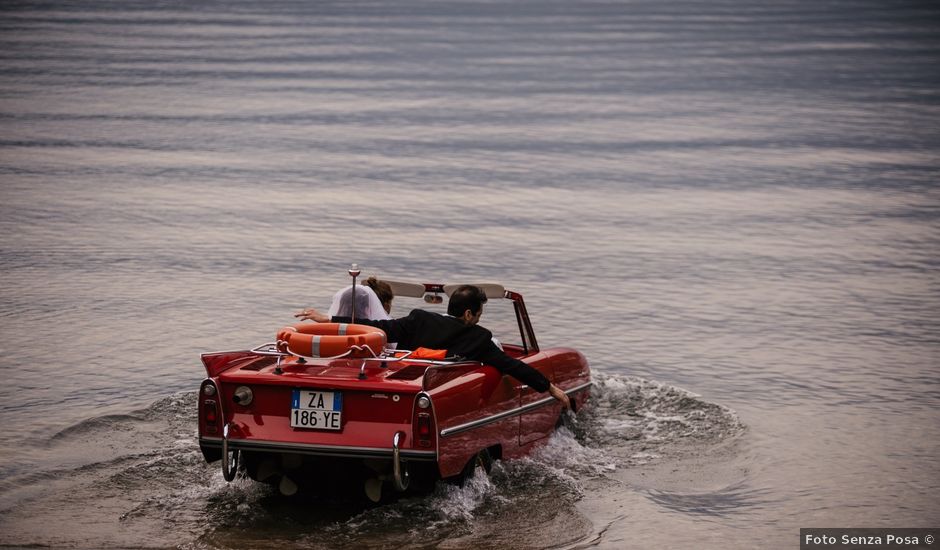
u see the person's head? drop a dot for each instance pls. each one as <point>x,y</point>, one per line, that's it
<point>466,304</point>
<point>383,290</point>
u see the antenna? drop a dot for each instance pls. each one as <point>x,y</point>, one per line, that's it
<point>354,272</point>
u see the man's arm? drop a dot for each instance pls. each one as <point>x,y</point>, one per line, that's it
<point>522,372</point>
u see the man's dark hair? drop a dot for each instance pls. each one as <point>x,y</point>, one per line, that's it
<point>464,298</point>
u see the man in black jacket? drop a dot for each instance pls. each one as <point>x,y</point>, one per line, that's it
<point>458,332</point>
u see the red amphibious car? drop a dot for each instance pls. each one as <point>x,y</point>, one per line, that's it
<point>386,418</point>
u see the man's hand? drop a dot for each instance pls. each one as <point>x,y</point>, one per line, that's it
<point>312,315</point>
<point>560,395</point>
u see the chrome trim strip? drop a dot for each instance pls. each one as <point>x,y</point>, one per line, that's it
<point>584,386</point>
<point>324,450</point>
<point>507,414</point>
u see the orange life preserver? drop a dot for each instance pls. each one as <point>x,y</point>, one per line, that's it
<point>331,339</point>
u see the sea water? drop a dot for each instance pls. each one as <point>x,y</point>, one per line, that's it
<point>730,207</point>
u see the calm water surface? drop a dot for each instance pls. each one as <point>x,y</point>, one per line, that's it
<point>730,207</point>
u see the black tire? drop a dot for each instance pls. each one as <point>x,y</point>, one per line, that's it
<point>482,460</point>
<point>567,418</point>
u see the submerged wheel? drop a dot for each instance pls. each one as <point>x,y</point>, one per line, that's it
<point>482,460</point>
<point>567,418</point>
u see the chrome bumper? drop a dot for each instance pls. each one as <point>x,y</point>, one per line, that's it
<point>317,450</point>
<point>397,455</point>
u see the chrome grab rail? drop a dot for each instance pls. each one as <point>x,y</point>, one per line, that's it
<point>270,349</point>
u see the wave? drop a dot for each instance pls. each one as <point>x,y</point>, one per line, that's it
<point>148,480</point>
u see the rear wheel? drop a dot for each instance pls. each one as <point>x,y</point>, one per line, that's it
<point>567,418</point>
<point>480,461</point>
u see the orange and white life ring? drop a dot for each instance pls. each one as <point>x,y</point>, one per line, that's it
<point>331,340</point>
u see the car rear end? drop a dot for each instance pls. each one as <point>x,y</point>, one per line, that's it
<point>320,425</point>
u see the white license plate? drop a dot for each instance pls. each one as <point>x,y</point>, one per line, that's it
<point>320,410</point>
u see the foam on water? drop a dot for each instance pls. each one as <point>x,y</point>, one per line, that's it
<point>137,473</point>
<point>639,420</point>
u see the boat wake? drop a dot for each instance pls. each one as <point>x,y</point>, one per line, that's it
<point>139,480</point>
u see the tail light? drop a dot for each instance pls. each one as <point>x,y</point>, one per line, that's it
<point>209,409</point>
<point>211,412</point>
<point>424,429</point>
<point>424,422</point>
